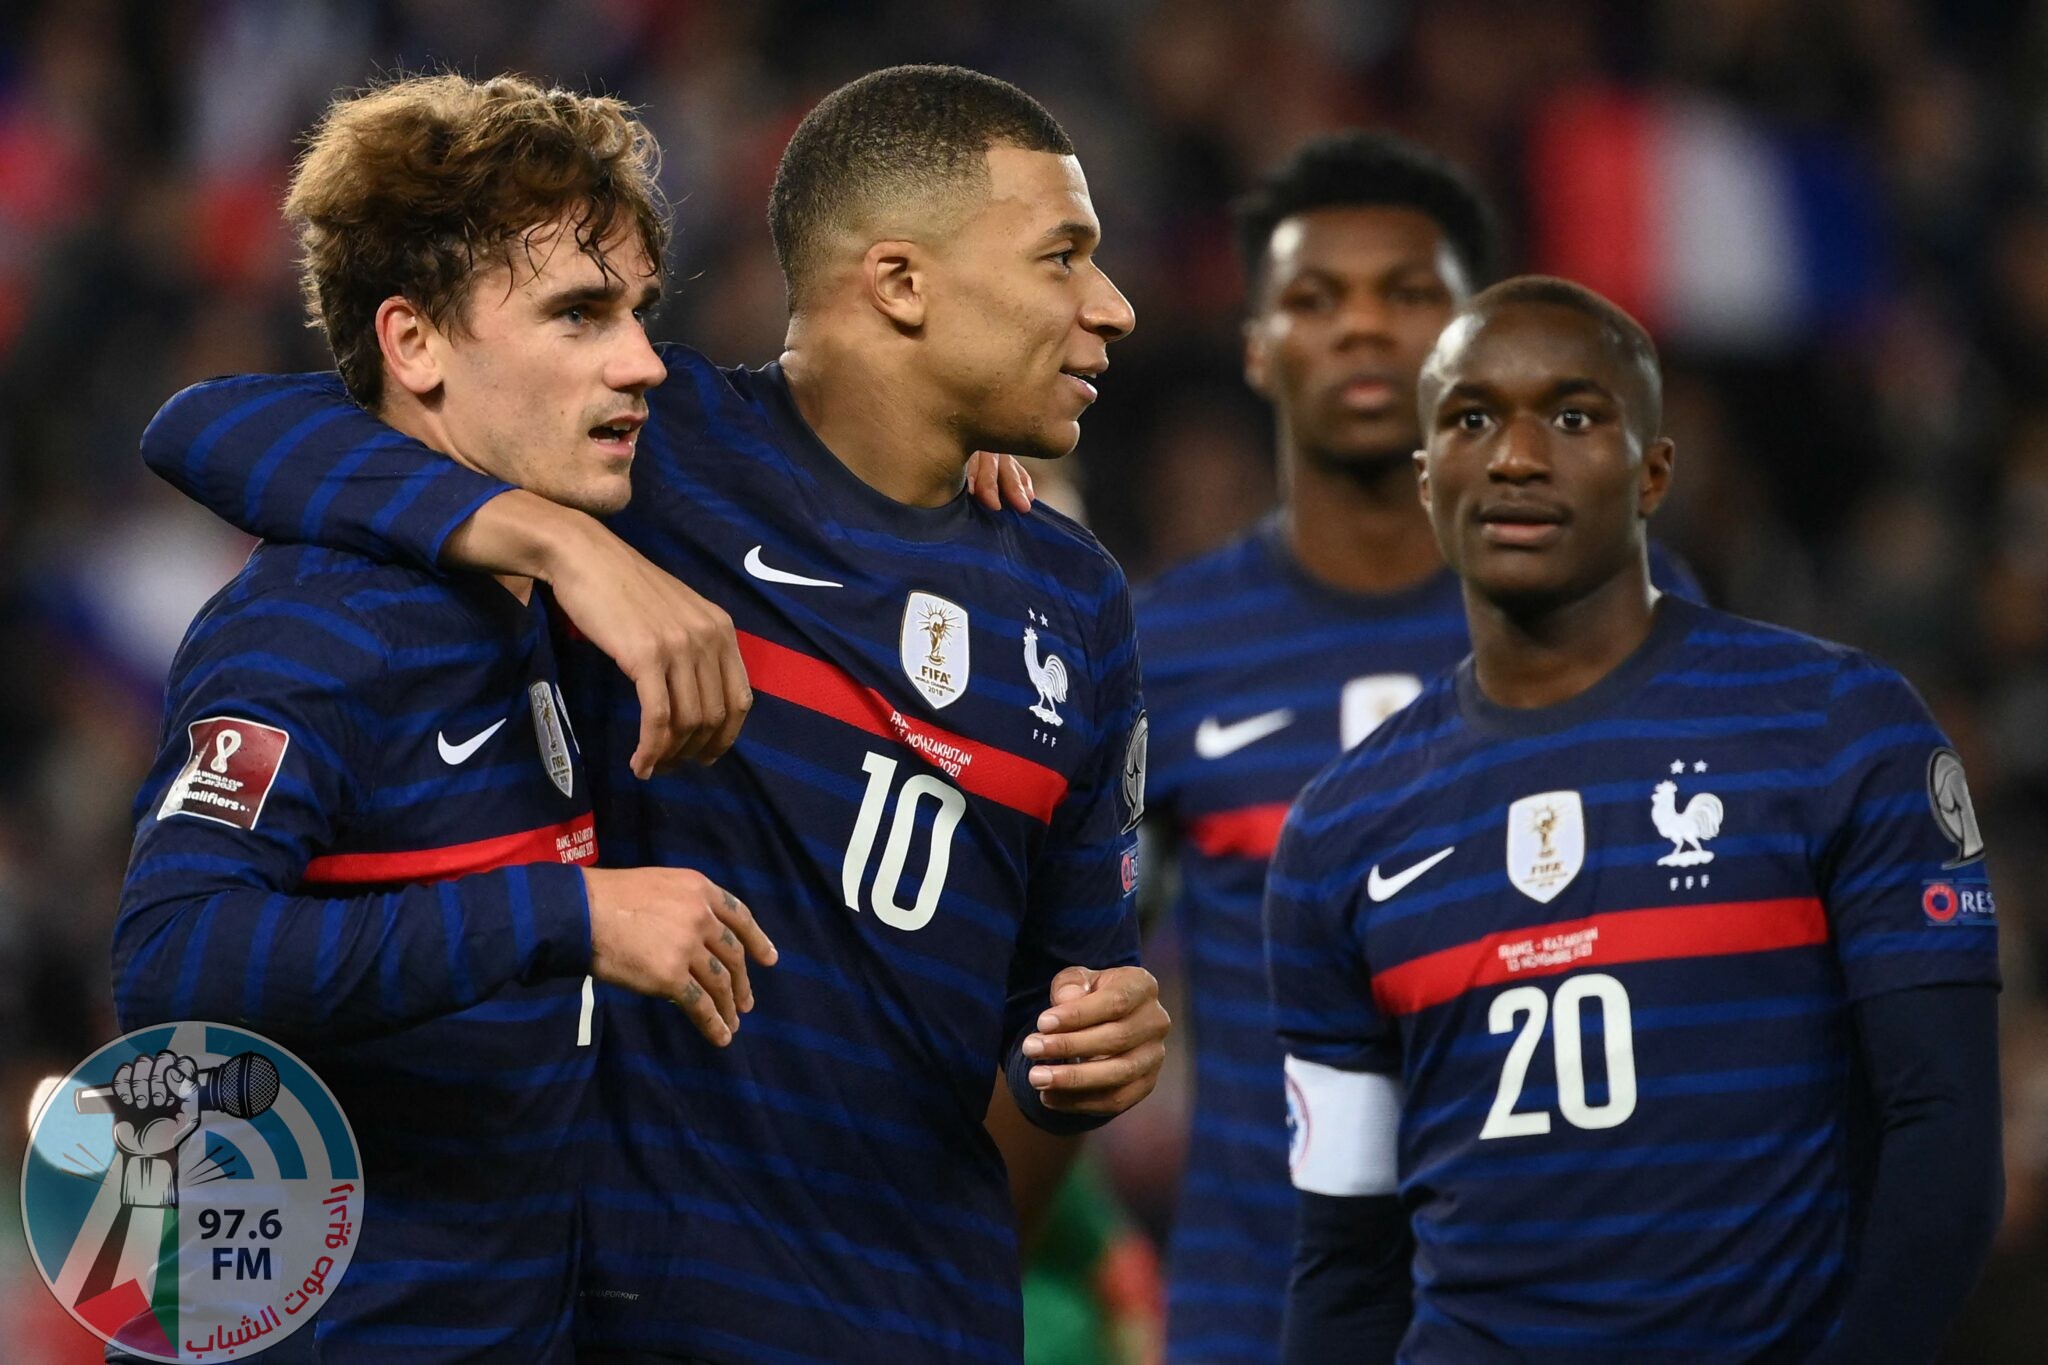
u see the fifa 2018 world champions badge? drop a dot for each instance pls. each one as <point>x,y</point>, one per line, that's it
<point>191,1192</point>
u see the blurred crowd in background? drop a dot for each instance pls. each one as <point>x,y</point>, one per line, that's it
<point>1832,213</point>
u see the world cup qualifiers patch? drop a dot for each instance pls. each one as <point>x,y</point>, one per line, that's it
<point>229,774</point>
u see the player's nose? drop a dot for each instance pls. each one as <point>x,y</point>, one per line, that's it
<point>636,367</point>
<point>1522,450</point>
<point>1363,316</point>
<point>1107,313</point>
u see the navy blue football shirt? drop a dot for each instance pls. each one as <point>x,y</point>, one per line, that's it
<point>1256,675</point>
<point>1604,952</point>
<point>359,838</point>
<point>930,810</point>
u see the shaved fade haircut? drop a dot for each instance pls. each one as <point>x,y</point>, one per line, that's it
<point>1629,339</point>
<point>1360,168</point>
<point>894,136</point>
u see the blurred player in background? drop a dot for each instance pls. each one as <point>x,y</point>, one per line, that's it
<point>1267,657</point>
<point>937,787</point>
<point>343,729</point>
<point>1639,980</point>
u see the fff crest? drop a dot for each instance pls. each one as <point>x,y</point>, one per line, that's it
<point>934,647</point>
<point>1546,843</point>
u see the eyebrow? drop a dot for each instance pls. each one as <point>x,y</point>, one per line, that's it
<point>1575,386</point>
<point>1571,386</point>
<point>1083,233</point>
<point>583,295</point>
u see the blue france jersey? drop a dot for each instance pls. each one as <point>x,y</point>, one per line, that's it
<point>1608,948</point>
<point>1256,675</point>
<point>356,840</point>
<point>929,811</point>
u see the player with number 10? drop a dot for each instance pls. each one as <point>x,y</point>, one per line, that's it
<point>938,784</point>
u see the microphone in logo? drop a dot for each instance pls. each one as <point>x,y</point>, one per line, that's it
<point>224,749</point>
<point>241,1087</point>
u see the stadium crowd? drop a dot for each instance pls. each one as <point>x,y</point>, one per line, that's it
<point>1834,214</point>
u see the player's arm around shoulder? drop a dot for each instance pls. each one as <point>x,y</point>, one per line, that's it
<point>678,649</point>
<point>290,457</point>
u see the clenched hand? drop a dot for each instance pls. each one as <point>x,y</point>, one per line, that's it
<point>1099,1048</point>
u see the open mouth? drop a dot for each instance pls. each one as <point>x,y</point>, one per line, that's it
<point>1083,379</point>
<point>619,434</point>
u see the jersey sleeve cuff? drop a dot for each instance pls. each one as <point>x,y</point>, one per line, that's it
<point>561,919</point>
<point>1017,1071</point>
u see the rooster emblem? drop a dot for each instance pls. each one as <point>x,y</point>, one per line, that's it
<point>1048,675</point>
<point>1699,821</point>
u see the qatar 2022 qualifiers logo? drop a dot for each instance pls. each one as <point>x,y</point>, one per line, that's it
<point>192,1192</point>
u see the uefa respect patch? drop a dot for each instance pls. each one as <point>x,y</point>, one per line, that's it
<point>1952,902</point>
<point>191,1192</point>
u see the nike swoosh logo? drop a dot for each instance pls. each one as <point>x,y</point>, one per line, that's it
<point>456,754</point>
<point>767,575</point>
<point>1215,741</point>
<point>1379,888</point>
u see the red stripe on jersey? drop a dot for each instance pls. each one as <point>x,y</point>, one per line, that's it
<point>980,768</point>
<point>1600,941</point>
<point>1253,832</point>
<point>572,841</point>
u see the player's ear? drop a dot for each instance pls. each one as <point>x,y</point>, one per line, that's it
<point>893,277</point>
<point>1421,458</point>
<point>1656,482</point>
<point>1257,359</point>
<point>405,334</point>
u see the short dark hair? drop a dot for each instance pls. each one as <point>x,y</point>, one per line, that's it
<point>1624,333</point>
<point>897,133</point>
<point>1361,168</point>
<point>417,186</point>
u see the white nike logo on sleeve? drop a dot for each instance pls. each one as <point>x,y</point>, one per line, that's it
<point>1215,741</point>
<point>1379,888</point>
<point>456,754</point>
<point>760,570</point>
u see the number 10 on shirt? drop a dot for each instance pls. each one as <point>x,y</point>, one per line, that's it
<point>874,804</point>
